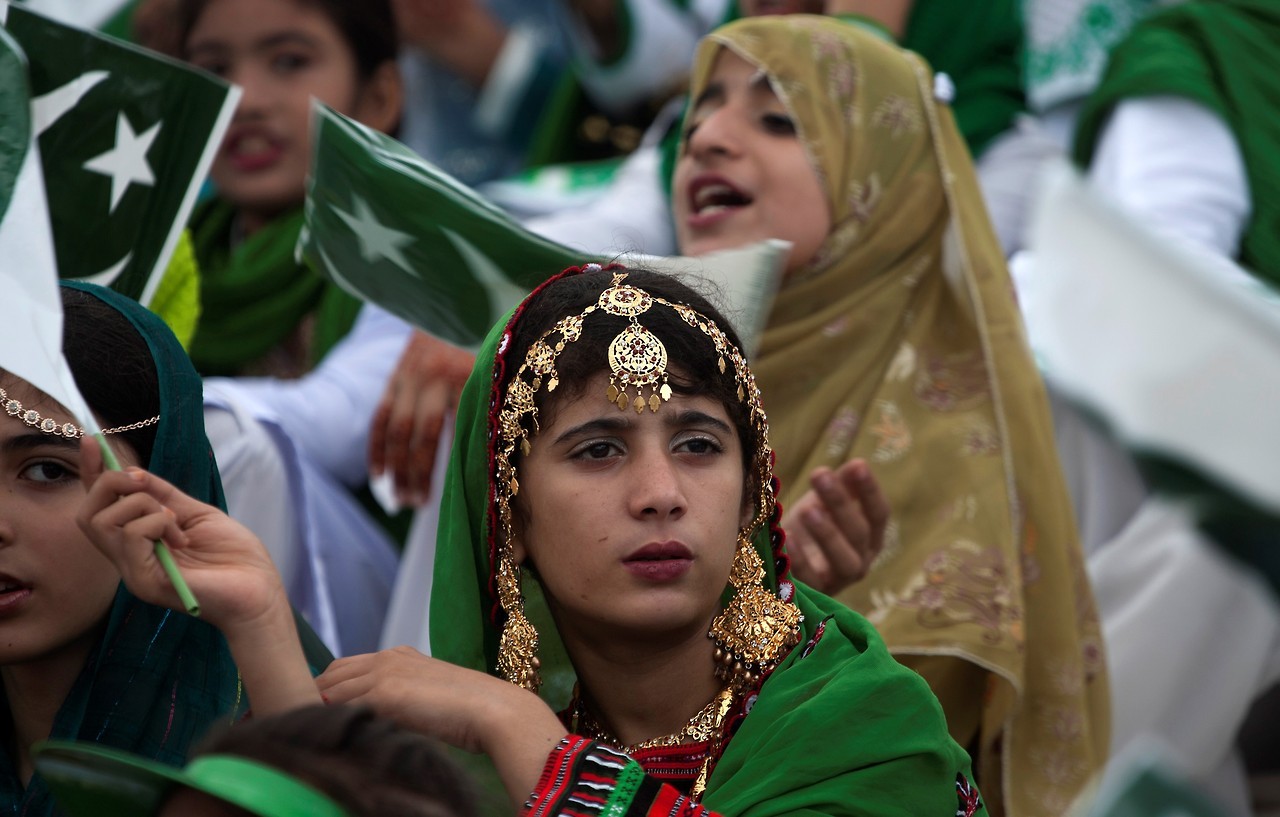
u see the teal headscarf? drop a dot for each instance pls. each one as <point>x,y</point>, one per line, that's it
<point>157,679</point>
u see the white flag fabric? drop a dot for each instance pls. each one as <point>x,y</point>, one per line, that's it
<point>1180,356</point>
<point>30,309</point>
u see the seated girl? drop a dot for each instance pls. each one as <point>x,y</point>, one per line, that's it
<point>612,447</point>
<point>305,361</point>
<point>80,656</point>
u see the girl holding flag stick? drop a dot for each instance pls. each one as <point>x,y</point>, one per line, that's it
<point>80,656</point>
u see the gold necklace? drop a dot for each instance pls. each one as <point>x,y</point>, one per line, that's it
<point>703,726</point>
<point>707,724</point>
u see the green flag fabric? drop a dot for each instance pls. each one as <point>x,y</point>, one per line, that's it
<point>126,137</point>
<point>395,230</point>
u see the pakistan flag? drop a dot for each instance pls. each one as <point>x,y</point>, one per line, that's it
<point>395,230</point>
<point>126,137</point>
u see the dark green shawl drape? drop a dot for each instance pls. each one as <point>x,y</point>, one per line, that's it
<point>253,296</point>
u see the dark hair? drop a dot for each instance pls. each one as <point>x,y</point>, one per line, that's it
<point>367,26</point>
<point>368,765</point>
<point>112,366</point>
<point>693,362</point>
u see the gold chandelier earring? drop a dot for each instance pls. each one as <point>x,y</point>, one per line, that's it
<point>518,646</point>
<point>756,629</point>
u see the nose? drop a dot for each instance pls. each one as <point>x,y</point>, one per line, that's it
<point>716,133</point>
<point>659,489</point>
<point>254,94</point>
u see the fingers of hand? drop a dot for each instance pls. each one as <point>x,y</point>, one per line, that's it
<point>875,505</point>
<point>808,561</point>
<point>90,461</point>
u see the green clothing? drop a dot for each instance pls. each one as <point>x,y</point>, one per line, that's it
<point>1221,55</point>
<point>158,679</point>
<point>255,295</point>
<point>838,728</point>
<point>980,48</point>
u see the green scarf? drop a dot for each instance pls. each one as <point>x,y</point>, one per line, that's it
<point>1222,55</point>
<point>838,728</point>
<point>158,678</point>
<point>254,296</point>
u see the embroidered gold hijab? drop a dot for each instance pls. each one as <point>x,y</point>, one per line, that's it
<point>900,342</point>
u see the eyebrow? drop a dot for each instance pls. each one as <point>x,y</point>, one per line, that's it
<point>27,442</point>
<point>688,417</point>
<point>760,83</point>
<point>217,47</point>
<point>714,92</point>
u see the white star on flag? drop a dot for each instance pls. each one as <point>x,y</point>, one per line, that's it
<point>126,163</point>
<point>376,240</point>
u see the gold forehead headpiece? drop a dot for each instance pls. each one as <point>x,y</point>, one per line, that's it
<point>638,365</point>
<point>48,425</point>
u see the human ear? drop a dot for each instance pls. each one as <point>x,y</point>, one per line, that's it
<point>381,99</point>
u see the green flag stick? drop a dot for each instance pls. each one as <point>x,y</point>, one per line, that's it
<point>162,550</point>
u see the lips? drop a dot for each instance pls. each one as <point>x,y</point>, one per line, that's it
<point>711,195</point>
<point>660,561</point>
<point>251,148</point>
<point>12,592</point>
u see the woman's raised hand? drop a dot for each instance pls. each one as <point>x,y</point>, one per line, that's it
<point>404,437</point>
<point>836,530</point>
<point>462,707</point>
<point>228,569</point>
<point>226,566</point>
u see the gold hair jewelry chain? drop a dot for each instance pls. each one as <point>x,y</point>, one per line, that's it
<point>48,425</point>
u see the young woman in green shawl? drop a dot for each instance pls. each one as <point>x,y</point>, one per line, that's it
<point>262,312</point>
<point>80,656</point>
<point>613,448</point>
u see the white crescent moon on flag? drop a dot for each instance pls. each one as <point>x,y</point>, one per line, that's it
<point>109,275</point>
<point>46,110</point>
<point>503,294</point>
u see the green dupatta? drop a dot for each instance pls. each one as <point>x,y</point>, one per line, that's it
<point>838,728</point>
<point>254,296</point>
<point>1222,55</point>
<point>158,679</point>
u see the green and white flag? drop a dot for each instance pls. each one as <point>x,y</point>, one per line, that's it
<point>393,229</point>
<point>1174,348</point>
<point>126,137</point>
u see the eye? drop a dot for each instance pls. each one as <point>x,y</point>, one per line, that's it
<point>48,472</point>
<point>596,450</point>
<point>289,62</point>
<point>689,129</point>
<point>700,445</point>
<point>780,124</point>
<point>218,68</point>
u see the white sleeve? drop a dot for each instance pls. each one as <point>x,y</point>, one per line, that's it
<point>1178,166</point>
<point>327,413</point>
<point>632,215</point>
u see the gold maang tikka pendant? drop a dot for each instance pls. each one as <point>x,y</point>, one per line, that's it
<point>637,358</point>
